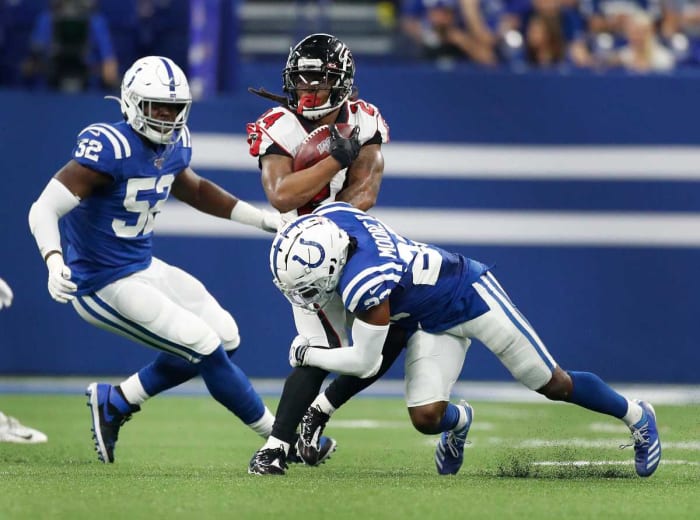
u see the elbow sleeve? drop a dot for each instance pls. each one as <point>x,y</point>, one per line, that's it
<point>54,202</point>
<point>363,359</point>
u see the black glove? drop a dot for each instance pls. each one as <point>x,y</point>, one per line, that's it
<point>344,150</point>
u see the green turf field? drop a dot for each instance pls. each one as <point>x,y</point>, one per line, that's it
<point>186,457</point>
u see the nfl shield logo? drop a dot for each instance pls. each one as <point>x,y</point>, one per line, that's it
<point>158,162</point>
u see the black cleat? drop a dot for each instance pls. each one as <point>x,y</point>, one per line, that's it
<point>269,461</point>
<point>312,446</point>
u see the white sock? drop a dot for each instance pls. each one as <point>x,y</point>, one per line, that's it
<point>274,442</point>
<point>462,419</point>
<point>634,413</point>
<point>133,390</point>
<point>263,426</point>
<point>323,404</point>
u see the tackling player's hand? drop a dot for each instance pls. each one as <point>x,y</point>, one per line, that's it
<point>297,351</point>
<point>61,288</point>
<point>342,149</point>
<point>5,294</point>
<point>272,221</point>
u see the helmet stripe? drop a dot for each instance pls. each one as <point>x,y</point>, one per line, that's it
<point>171,76</point>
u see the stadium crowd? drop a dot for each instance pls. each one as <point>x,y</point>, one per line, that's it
<point>74,45</point>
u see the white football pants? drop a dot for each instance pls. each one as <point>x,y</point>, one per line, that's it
<point>434,361</point>
<point>162,307</point>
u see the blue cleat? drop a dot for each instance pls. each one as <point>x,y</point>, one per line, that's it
<point>647,446</point>
<point>106,420</point>
<point>449,453</point>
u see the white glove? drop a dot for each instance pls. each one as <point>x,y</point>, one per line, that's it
<point>272,221</point>
<point>5,294</point>
<point>297,351</point>
<point>61,288</point>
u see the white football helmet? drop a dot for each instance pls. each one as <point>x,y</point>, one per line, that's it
<point>307,258</point>
<point>155,79</point>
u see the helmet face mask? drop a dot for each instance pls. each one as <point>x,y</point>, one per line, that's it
<point>152,88</point>
<point>320,62</point>
<point>307,259</point>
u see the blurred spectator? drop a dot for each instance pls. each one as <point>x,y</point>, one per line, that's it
<point>71,48</point>
<point>496,25</point>
<point>643,52</point>
<point>610,16</point>
<point>545,45</point>
<point>556,21</point>
<point>435,26</point>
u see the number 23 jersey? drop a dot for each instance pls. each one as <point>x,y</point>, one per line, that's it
<point>109,235</point>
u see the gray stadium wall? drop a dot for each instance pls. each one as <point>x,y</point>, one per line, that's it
<point>612,159</point>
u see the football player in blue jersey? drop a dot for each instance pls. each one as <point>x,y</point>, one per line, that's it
<point>444,300</point>
<point>107,198</point>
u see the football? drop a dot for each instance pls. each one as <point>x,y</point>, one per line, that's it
<point>314,147</point>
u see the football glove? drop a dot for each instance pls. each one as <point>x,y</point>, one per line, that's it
<point>271,221</point>
<point>297,351</point>
<point>5,294</point>
<point>61,288</point>
<point>342,149</point>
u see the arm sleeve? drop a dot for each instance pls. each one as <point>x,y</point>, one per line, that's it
<point>363,359</point>
<point>54,202</point>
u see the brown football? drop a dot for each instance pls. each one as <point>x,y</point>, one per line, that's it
<point>314,147</point>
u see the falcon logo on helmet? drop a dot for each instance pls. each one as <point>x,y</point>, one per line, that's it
<point>326,57</point>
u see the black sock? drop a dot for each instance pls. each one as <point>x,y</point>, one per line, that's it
<point>300,389</point>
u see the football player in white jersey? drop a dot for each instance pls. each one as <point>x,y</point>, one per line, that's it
<point>11,430</point>
<point>444,300</point>
<point>318,80</point>
<point>107,198</point>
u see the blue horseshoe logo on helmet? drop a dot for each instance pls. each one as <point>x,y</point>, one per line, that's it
<point>321,252</point>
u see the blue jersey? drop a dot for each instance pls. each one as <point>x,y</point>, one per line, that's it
<point>109,235</point>
<point>427,287</point>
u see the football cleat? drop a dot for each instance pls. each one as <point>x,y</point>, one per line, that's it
<point>449,453</point>
<point>106,420</point>
<point>647,446</point>
<point>11,430</point>
<point>313,448</point>
<point>268,461</point>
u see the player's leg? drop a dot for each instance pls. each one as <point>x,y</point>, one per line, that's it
<point>338,393</point>
<point>136,309</point>
<point>506,332</point>
<point>324,329</point>
<point>433,364</point>
<point>168,371</point>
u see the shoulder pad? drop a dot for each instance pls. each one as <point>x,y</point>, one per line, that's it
<point>102,144</point>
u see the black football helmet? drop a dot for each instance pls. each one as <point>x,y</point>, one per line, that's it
<point>319,61</point>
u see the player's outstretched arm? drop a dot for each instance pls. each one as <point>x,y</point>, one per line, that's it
<point>208,197</point>
<point>369,331</point>
<point>61,195</point>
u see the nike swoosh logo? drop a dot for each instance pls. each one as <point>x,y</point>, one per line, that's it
<point>374,290</point>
